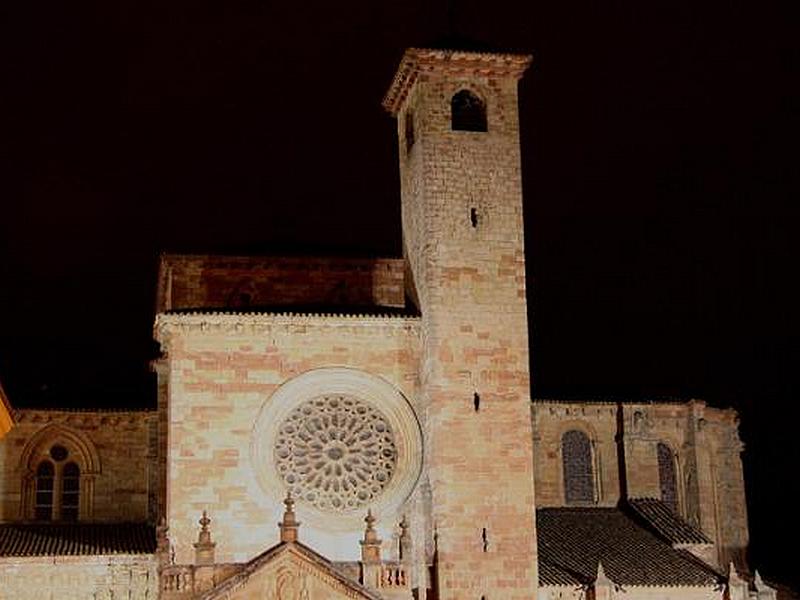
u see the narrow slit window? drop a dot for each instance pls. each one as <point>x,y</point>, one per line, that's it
<point>468,112</point>
<point>45,479</point>
<point>409,123</point>
<point>70,492</point>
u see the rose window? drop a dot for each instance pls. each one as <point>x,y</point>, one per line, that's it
<point>336,452</point>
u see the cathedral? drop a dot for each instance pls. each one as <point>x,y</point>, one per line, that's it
<point>364,428</point>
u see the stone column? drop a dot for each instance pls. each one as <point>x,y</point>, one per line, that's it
<point>204,556</point>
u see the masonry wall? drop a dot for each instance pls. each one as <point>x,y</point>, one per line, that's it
<point>209,281</point>
<point>719,429</point>
<point>706,447</point>
<point>120,490</point>
<point>470,284</point>
<point>222,370</point>
<point>551,420</point>
<point>132,577</point>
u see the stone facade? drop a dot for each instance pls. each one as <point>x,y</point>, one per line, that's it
<point>114,451</point>
<point>222,371</point>
<point>98,577</point>
<point>462,234</point>
<point>706,448</point>
<point>394,388</point>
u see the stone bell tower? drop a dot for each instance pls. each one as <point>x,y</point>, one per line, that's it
<point>458,131</point>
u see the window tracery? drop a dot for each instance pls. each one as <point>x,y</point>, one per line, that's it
<point>576,453</point>
<point>70,492</point>
<point>45,480</point>
<point>667,478</point>
<point>57,487</point>
<point>58,467</point>
<point>336,452</point>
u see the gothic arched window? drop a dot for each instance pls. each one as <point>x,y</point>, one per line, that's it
<point>45,481</point>
<point>667,480</point>
<point>57,487</point>
<point>468,112</point>
<point>576,452</point>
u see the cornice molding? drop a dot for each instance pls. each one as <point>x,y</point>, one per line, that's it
<point>418,61</point>
<point>89,419</point>
<point>267,323</point>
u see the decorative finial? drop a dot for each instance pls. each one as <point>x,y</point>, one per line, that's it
<point>603,586</point>
<point>758,582</point>
<point>289,525</point>
<point>371,544</point>
<point>204,521</point>
<point>601,573</point>
<point>204,547</point>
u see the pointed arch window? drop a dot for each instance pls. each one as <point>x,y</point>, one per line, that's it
<point>667,479</point>
<point>58,468</point>
<point>576,454</point>
<point>468,112</point>
<point>57,487</point>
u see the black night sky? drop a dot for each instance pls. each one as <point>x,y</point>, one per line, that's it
<point>660,174</point>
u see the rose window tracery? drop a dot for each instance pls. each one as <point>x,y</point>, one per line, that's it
<point>336,452</point>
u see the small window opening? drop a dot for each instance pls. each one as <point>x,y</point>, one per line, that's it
<point>70,492</point>
<point>473,217</point>
<point>45,477</point>
<point>409,130</point>
<point>476,400</point>
<point>58,453</point>
<point>485,540</point>
<point>468,112</point>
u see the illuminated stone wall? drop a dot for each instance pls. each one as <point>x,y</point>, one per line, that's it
<point>233,381</point>
<point>463,239</point>
<point>79,578</point>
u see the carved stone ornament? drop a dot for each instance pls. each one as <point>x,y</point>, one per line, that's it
<point>336,452</point>
<point>340,440</point>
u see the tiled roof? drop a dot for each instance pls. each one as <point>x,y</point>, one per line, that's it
<point>661,518</point>
<point>26,539</point>
<point>573,540</point>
